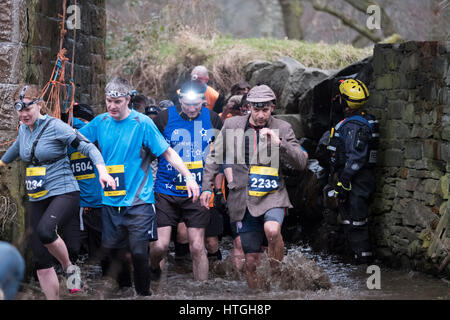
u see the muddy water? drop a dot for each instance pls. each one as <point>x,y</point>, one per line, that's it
<point>303,274</point>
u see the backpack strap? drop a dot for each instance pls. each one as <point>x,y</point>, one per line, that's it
<point>33,158</point>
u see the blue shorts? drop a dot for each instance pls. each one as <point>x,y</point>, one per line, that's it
<point>251,229</point>
<point>124,225</point>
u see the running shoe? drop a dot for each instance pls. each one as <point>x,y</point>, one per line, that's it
<point>73,279</point>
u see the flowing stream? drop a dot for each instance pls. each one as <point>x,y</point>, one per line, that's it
<point>303,274</point>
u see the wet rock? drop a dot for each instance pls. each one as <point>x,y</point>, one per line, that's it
<point>301,80</point>
<point>275,75</point>
<point>254,66</point>
<point>294,121</point>
<point>287,77</point>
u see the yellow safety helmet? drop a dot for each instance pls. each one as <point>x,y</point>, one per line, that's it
<point>354,92</point>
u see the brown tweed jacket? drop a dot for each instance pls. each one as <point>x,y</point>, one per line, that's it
<point>229,146</point>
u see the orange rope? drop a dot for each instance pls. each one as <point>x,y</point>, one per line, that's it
<point>57,82</point>
<point>57,85</point>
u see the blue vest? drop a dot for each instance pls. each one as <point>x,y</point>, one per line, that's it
<point>190,139</point>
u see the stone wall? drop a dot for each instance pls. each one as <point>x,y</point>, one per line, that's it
<point>29,43</point>
<point>410,94</point>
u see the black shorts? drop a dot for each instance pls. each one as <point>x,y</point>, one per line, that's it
<point>215,226</point>
<point>170,210</point>
<point>253,241</point>
<point>251,229</point>
<point>92,223</point>
<point>125,225</point>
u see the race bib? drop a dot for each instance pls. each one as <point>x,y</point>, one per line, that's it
<point>118,173</point>
<point>82,166</point>
<point>35,181</point>
<point>262,181</point>
<point>196,169</point>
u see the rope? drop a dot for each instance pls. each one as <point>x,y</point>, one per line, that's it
<point>56,85</point>
<point>72,98</point>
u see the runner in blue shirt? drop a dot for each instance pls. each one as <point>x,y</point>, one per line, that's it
<point>127,139</point>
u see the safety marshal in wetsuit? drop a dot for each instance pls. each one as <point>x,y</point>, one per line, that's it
<point>353,145</point>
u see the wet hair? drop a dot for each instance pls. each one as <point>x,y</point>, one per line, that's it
<point>33,92</point>
<point>139,101</point>
<point>118,84</point>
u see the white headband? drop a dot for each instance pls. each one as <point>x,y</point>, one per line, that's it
<point>116,94</point>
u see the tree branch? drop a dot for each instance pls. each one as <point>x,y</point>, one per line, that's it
<point>347,21</point>
<point>387,27</point>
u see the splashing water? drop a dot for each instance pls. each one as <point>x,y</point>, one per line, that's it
<point>303,274</point>
<point>295,272</point>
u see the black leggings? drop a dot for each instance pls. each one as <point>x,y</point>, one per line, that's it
<point>47,218</point>
<point>115,264</point>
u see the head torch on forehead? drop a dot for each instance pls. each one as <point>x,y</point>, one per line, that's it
<point>116,94</point>
<point>20,105</point>
<point>191,95</point>
<point>261,104</point>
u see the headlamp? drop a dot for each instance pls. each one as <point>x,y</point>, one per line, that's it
<point>192,95</point>
<point>152,110</point>
<point>260,104</point>
<point>19,105</point>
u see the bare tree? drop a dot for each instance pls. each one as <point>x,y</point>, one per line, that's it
<point>388,29</point>
<point>292,13</point>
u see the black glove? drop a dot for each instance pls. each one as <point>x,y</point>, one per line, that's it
<point>342,189</point>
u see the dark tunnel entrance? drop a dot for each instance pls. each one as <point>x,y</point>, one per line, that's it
<point>310,221</point>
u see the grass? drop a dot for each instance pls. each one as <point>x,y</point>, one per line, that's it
<point>317,55</point>
<point>156,64</point>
